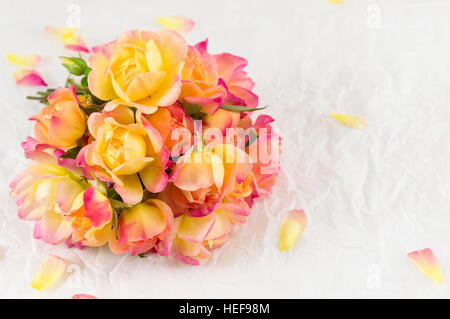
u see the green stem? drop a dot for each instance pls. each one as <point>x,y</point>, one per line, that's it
<point>240,108</point>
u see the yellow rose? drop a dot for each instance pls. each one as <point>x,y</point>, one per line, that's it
<point>140,69</point>
<point>124,153</point>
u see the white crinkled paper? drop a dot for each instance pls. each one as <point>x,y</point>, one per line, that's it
<point>371,196</point>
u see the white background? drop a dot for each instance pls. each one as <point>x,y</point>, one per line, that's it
<point>371,196</point>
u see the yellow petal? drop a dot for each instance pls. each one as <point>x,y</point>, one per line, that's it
<point>291,228</point>
<point>426,262</point>
<point>180,24</point>
<point>49,272</point>
<point>336,1</point>
<point>350,121</point>
<point>23,60</point>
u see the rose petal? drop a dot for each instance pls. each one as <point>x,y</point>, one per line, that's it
<point>141,222</point>
<point>49,272</point>
<point>69,38</point>
<point>100,82</point>
<point>179,24</point>
<point>292,227</point>
<point>196,174</point>
<point>132,191</point>
<point>153,175</point>
<point>29,77</point>
<point>222,226</point>
<point>426,262</point>
<point>230,70</point>
<point>25,61</point>
<point>83,296</point>
<point>350,121</point>
<point>195,229</point>
<point>97,207</point>
<point>52,228</point>
<point>153,134</point>
<point>336,1</point>
<point>67,191</point>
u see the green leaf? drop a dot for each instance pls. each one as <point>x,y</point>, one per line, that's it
<point>252,138</point>
<point>194,111</point>
<point>115,221</point>
<point>84,81</point>
<point>72,153</point>
<point>41,99</point>
<point>76,66</point>
<point>96,100</point>
<point>112,194</point>
<point>92,109</point>
<point>240,108</point>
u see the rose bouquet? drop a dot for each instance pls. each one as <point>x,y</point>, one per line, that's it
<point>148,148</point>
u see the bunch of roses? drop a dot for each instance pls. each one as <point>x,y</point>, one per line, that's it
<point>155,152</point>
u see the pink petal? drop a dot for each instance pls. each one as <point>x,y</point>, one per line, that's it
<point>69,37</point>
<point>230,70</point>
<point>426,262</point>
<point>83,296</point>
<point>263,120</point>
<point>81,47</point>
<point>97,207</point>
<point>29,77</point>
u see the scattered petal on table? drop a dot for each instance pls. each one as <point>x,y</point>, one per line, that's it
<point>49,272</point>
<point>29,77</point>
<point>291,228</point>
<point>336,1</point>
<point>83,296</point>
<point>426,262</point>
<point>25,61</point>
<point>179,24</point>
<point>350,121</point>
<point>69,37</point>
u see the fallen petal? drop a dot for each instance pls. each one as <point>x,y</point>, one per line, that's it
<point>69,37</point>
<point>49,272</point>
<point>29,77</point>
<point>179,24</point>
<point>426,262</point>
<point>83,296</point>
<point>336,1</point>
<point>350,121</point>
<point>291,228</point>
<point>25,61</point>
